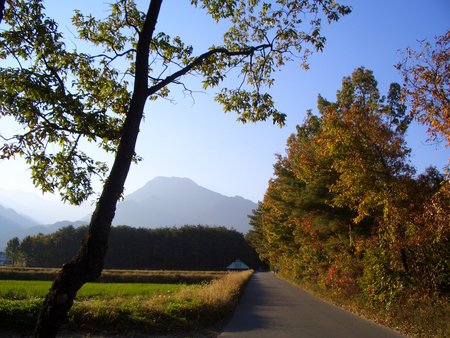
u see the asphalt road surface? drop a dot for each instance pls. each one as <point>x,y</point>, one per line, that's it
<point>271,307</point>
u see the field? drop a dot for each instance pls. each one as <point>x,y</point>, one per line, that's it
<point>127,305</point>
<point>16,289</point>
<point>117,276</point>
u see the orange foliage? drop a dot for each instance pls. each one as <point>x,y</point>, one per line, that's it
<point>427,85</point>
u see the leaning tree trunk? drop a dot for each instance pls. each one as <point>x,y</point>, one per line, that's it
<point>88,263</point>
<point>2,9</point>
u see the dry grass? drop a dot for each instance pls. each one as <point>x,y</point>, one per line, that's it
<point>117,276</point>
<point>192,307</point>
<point>218,296</point>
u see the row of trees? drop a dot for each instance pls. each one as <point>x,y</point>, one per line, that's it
<point>345,209</point>
<point>185,248</point>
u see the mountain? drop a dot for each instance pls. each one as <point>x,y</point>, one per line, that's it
<point>174,201</point>
<point>41,209</point>
<point>50,228</point>
<point>9,216</point>
<point>13,224</point>
<point>26,213</point>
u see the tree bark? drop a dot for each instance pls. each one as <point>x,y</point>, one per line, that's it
<point>88,263</point>
<point>2,9</point>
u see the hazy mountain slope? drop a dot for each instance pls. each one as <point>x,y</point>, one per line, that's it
<point>232,210</point>
<point>166,201</point>
<point>8,230</point>
<point>11,217</point>
<point>12,224</point>
<point>41,209</point>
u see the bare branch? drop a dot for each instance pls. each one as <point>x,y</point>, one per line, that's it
<point>112,58</point>
<point>199,60</point>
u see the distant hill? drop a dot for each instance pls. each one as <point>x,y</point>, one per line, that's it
<point>11,223</point>
<point>174,201</point>
<point>40,208</point>
<point>25,213</point>
<point>10,229</point>
<point>9,216</point>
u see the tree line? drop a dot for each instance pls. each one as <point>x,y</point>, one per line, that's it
<point>186,248</point>
<point>347,212</point>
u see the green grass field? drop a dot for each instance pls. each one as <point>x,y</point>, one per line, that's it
<point>19,289</point>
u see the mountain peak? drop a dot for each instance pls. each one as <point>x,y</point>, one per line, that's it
<point>163,186</point>
<point>168,201</point>
<point>173,180</point>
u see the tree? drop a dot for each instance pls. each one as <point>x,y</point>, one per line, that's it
<point>363,139</point>
<point>426,76</point>
<point>295,227</point>
<point>255,236</point>
<point>345,211</point>
<point>12,250</point>
<point>63,97</point>
<point>2,8</point>
<point>429,233</point>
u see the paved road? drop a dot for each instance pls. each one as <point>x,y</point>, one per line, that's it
<point>273,308</point>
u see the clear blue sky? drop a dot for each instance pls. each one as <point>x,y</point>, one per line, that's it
<point>193,138</point>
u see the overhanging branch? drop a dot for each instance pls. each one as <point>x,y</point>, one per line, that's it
<point>199,60</point>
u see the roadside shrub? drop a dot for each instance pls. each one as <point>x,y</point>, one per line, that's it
<point>381,282</point>
<point>342,275</point>
<point>19,314</point>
